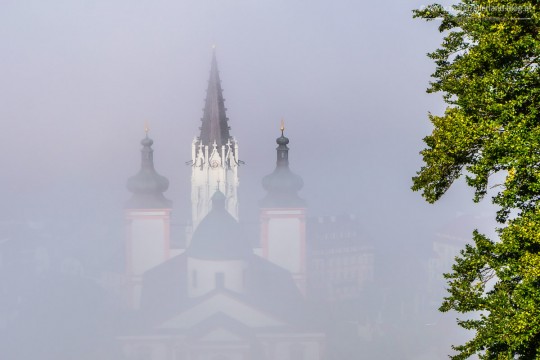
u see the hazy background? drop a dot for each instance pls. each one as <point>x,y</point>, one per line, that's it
<point>78,80</point>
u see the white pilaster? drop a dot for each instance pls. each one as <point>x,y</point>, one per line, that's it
<point>147,245</point>
<point>283,234</point>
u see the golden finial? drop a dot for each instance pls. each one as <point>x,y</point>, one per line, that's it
<point>282,127</point>
<point>214,46</point>
<point>146,127</point>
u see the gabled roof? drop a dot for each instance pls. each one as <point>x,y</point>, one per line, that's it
<point>269,290</point>
<point>222,302</point>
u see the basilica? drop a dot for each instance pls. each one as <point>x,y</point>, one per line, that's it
<point>219,298</point>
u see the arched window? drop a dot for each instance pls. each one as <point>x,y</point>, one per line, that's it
<point>296,352</point>
<point>220,280</point>
<point>143,353</point>
<point>244,278</point>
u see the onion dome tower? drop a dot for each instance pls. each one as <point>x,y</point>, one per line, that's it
<point>147,185</point>
<point>283,217</point>
<point>214,154</point>
<point>218,252</point>
<point>147,216</point>
<point>282,184</point>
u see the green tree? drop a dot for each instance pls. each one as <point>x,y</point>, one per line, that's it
<point>487,69</point>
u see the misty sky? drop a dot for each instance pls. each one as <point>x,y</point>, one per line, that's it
<point>80,78</point>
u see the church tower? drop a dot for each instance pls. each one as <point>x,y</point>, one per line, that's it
<point>283,217</point>
<point>214,155</point>
<point>147,216</point>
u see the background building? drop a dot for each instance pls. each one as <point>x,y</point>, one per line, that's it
<point>341,260</point>
<point>217,299</point>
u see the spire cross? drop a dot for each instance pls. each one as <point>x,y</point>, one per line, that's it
<point>282,128</point>
<point>146,128</point>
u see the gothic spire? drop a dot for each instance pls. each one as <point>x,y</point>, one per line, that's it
<point>214,122</point>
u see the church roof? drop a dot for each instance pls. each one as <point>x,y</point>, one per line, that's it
<point>147,185</point>
<point>268,288</point>
<point>214,127</point>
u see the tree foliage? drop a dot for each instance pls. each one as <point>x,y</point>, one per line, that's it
<point>487,70</point>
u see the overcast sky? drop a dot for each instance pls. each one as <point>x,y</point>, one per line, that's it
<point>80,78</point>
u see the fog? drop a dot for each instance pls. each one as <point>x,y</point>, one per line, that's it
<point>79,81</point>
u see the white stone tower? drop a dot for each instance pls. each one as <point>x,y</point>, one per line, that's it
<point>283,217</point>
<point>147,216</point>
<point>214,155</point>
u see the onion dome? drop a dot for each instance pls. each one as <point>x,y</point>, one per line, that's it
<point>219,236</point>
<point>282,185</point>
<point>282,141</point>
<point>147,185</point>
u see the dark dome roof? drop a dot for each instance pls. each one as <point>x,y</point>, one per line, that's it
<point>282,181</point>
<point>147,185</point>
<point>282,140</point>
<point>147,141</point>
<point>147,181</point>
<point>282,185</point>
<point>219,236</point>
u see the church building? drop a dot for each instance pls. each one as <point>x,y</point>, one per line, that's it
<point>218,299</point>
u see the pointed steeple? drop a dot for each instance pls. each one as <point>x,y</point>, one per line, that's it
<point>214,155</point>
<point>214,122</point>
<point>147,185</point>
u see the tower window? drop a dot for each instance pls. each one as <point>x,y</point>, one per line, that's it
<point>180,354</point>
<point>194,279</point>
<point>220,357</point>
<point>244,278</point>
<point>296,352</point>
<point>143,353</point>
